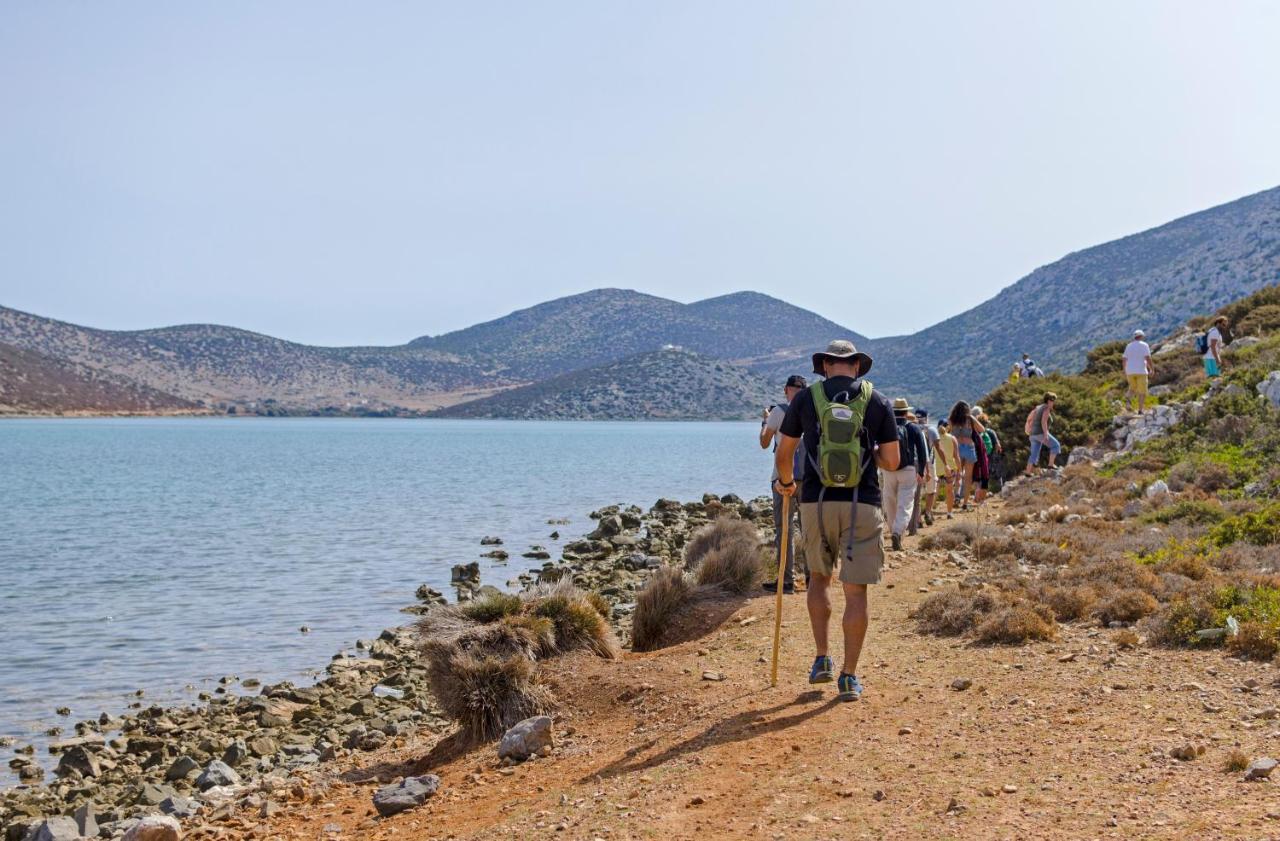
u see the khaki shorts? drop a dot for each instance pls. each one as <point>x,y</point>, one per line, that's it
<point>1137,384</point>
<point>821,556</point>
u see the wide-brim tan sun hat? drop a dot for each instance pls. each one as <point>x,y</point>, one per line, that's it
<point>844,350</point>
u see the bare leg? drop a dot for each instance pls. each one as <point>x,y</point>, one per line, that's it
<point>855,622</point>
<point>819,603</point>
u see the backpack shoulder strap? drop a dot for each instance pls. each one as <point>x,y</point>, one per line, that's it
<point>820,401</point>
<point>860,403</point>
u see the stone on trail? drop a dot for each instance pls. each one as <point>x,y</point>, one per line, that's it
<point>181,768</point>
<point>54,829</point>
<point>526,738</point>
<point>406,794</point>
<point>155,828</point>
<point>78,759</point>
<point>179,806</point>
<point>86,819</point>
<point>1260,769</point>
<point>960,684</point>
<point>217,773</point>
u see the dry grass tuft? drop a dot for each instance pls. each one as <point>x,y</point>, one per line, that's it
<point>1236,762</point>
<point>1125,606</point>
<point>1256,641</point>
<point>954,612</point>
<point>482,656</point>
<point>1070,603</point>
<point>492,607</point>
<point>667,591</point>
<point>577,625</point>
<point>1126,640</point>
<point>1017,623</point>
<point>717,535</point>
<point>600,603</point>
<point>487,693</point>
<point>734,566</point>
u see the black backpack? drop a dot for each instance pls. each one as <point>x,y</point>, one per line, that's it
<point>906,452</point>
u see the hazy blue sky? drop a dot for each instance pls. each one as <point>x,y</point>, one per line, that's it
<point>369,172</point>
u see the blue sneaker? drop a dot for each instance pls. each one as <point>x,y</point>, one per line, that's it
<point>821,671</point>
<point>850,687</point>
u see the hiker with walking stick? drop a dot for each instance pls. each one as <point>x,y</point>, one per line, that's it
<point>847,431</point>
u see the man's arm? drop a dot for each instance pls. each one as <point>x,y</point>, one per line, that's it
<point>766,437</point>
<point>784,460</point>
<point>922,453</point>
<point>887,456</point>
<point>1213,348</point>
<point>1151,369</point>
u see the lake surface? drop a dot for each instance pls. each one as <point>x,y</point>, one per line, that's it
<point>162,554</point>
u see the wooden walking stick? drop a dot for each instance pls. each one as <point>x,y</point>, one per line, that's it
<point>777,599</point>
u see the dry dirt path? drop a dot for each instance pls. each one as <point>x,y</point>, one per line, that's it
<point>1052,740</point>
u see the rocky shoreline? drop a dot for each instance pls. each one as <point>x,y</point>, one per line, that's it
<point>250,749</point>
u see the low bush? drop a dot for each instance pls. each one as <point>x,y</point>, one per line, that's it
<point>716,535</point>
<point>1261,528</point>
<point>1255,641</point>
<point>1070,603</point>
<point>954,612</point>
<point>578,624</point>
<point>1126,639</point>
<point>735,566</point>
<point>661,598</point>
<point>492,607</point>
<point>1125,606</point>
<point>1194,512</point>
<point>1017,623</point>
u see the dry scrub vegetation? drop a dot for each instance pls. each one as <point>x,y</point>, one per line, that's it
<point>723,558</point>
<point>482,656</point>
<point>1197,565</point>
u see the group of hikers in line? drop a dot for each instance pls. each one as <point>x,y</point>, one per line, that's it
<point>856,461</point>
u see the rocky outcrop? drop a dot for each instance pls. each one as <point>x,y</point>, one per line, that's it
<point>1270,389</point>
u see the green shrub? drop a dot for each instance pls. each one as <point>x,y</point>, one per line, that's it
<point>1261,528</point>
<point>1191,511</point>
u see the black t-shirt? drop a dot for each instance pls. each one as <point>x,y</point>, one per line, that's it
<point>878,427</point>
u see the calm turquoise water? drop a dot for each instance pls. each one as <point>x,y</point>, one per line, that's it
<point>164,553</point>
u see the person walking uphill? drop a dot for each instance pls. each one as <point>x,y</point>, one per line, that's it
<point>1038,428</point>
<point>769,427</point>
<point>847,431</point>
<point>1137,371</point>
<point>1210,346</point>
<point>899,496</point>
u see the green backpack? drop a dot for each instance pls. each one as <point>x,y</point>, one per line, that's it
<point>840,457</point>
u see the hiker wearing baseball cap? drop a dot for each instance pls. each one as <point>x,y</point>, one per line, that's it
<point>773,417</point>
<point>846,430</point>
<point>1137,371</point>
<point>900,485</point>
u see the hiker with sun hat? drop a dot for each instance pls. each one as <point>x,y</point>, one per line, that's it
<point>847,430</point>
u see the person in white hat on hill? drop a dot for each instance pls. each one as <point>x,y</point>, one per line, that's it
<point>1137,371</point>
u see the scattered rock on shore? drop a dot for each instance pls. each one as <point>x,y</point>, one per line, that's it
<point>154,828</point>
<point>406,794</point>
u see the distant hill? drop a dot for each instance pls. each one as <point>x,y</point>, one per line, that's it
<point>31,383</point>
<point>659,385</point>
<point>1155,280</point>
<point>214,365</point>
<point>603,325</point>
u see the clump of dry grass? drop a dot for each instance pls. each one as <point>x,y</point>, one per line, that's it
<point>1236,761</point>
<point>1115,573</point>
<point>954,612</point>
<point>1126,639</point>
<point>578,623</point>
<point>734,566</point>
<point>1255,641</point>
<point>482,656</point>
<point>718,534</point>
<point>1018,622</point>
<point>1069,602</point>
<point>663,596</point>
<point>1125,606</point>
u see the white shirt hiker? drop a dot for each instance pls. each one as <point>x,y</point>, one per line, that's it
<point>1214,335</point>
<point>1135,357</point>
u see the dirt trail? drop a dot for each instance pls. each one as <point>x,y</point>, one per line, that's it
<point>1060,740</point>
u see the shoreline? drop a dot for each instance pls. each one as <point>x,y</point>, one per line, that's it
<point>194,761</point>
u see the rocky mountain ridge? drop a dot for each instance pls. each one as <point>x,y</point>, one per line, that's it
<point>1155,279</point>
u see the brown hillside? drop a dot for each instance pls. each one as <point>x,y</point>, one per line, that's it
<point>31,383</point>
